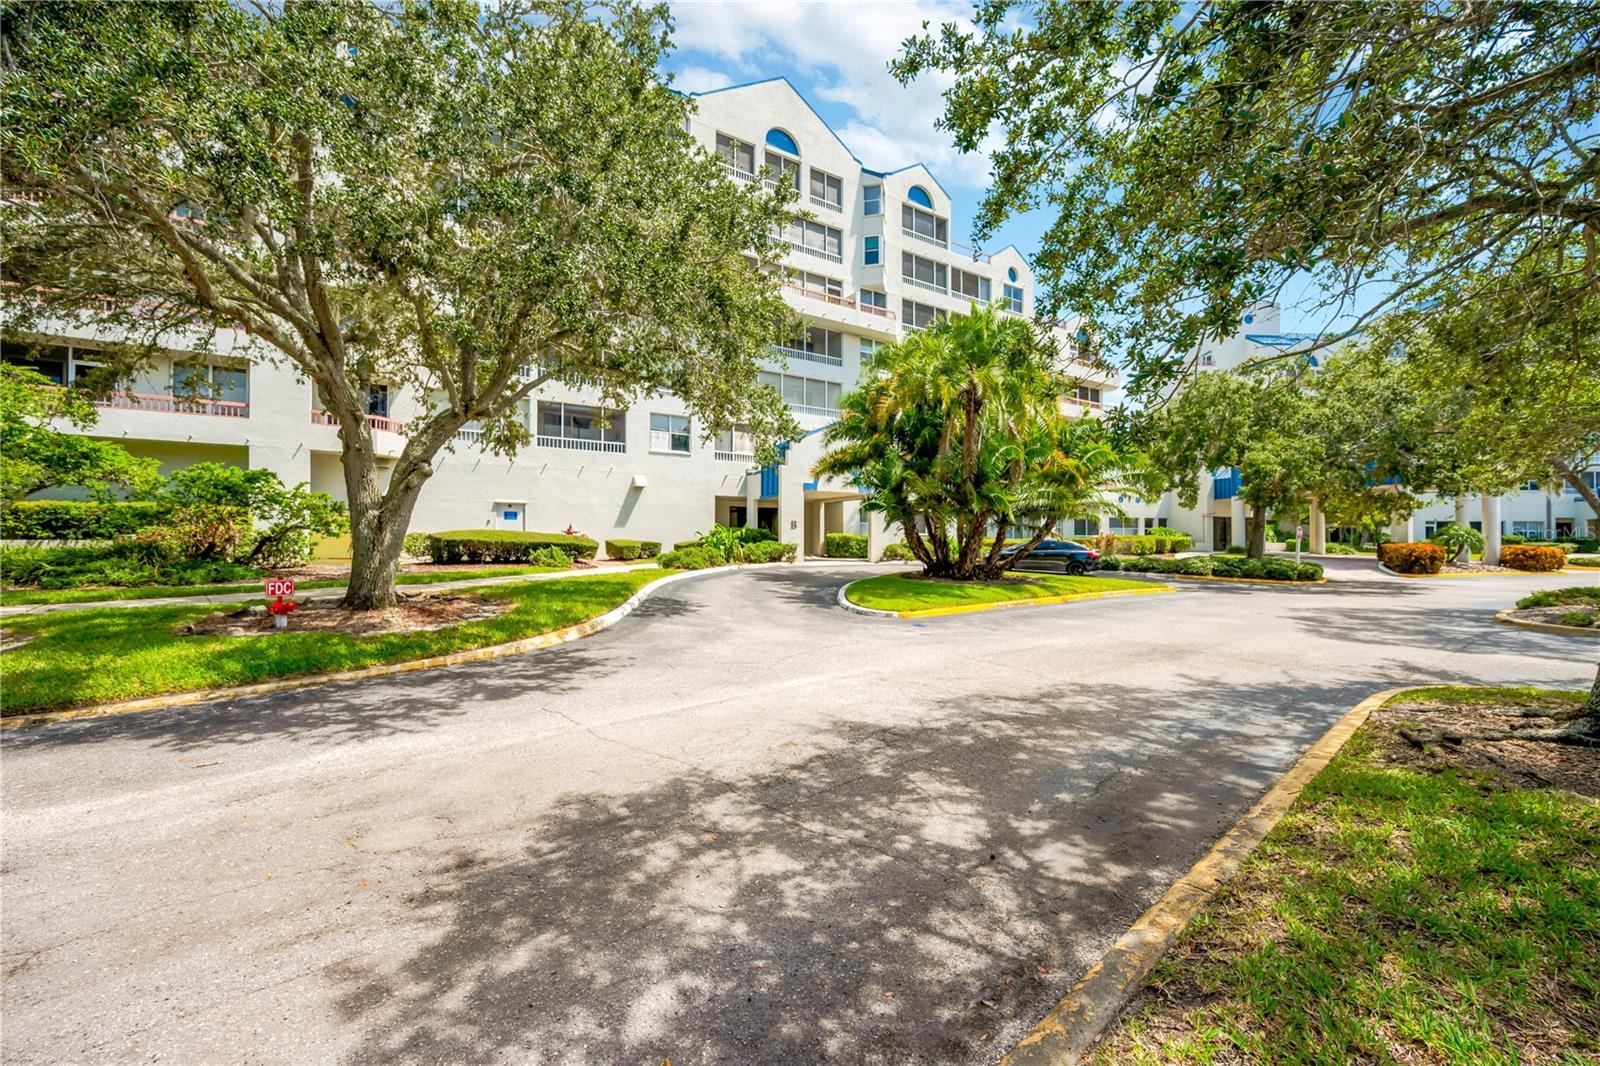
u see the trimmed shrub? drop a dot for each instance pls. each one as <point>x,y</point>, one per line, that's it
<point>1578,619</point>
<point>680,545</point>
<point>896,553</point>
<point>691,558</point>
<point>78,519</point>
<point>1237,549</point>
<point>770,551</point>
<point>632,549</point>
<point>503,546</point>
<point>1146,544</point>
<point>1108,562</point>
<point>551,556</point>
<point>1531,557</point>
<point>1411,557</point>
<point>1215,566</point>
<point>1513,538</point>
<point>1165,531</point>
<point>1578,594</point>
<point>845,545</point>
<point>1198,565</point>
<point>126,564</point>
<point>415,545</point>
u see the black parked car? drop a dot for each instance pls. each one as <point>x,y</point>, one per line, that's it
<point>1057,556</point>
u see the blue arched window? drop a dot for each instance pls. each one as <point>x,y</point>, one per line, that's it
<point>1011,273</point>
<point>918,195</point>
<point>782,142</point>
<point>1248,319</point>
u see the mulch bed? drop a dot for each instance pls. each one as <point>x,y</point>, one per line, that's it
<point>1523,763</point>
<point>1552,615</point>
<point>411,615</point>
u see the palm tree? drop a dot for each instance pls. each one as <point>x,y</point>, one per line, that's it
<point>958,437</point>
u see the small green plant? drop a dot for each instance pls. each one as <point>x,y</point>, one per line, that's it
<point>415,545</point>
<point>1577,619</point>
<point>845,545</point>
<point>697,557</point>
<point>730,542</point>
<point>1581,595</point>
<point>1458,541</point>
<point>896,553</point>
<point>620,548</point>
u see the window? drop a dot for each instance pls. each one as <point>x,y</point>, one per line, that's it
<point>925,224</point>
<point>819,283</point>
<point>50,360</point>
<point>735,445</point>
<point>378,400</point>
<point>1088,395</point>
<point>737,156</point>
<point>813,238</point>
<point>924,273</point>
<point>918,316</point>
<point>1531,486</point>
<point>818,345</point>
<point>669,433</point>
<point>780,140</point>
<point>1012,294</point>
<point>869,350</point>
<point>1531,530</point>
<point>1085,527</point>
<point>785,171</point>
<point>807,395</point>
<point>875,298</point>
<point>1154,523</point>
<point>826,190</point>
<point>968,284</point>
<point>1115,524</point>
<point>571,425</point>
<point>198,380</point>
<point>872,200</point>
<point>918,195</point>
<point>869,251</point>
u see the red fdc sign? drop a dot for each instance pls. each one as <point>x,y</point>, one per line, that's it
<point>279,586</point>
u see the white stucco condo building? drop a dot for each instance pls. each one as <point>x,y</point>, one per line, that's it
<point>874,258</point>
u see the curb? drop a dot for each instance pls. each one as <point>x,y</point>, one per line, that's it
<point>1508,572</point>
<point>1245,580</point>
<point>456,658</point>
<point>971,608</point>
<point>1075,1024</point>
<point>1505,619</point>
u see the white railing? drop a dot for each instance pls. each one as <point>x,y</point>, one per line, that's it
<point>829,204</point>
<point>818,252</point>
<point>970,252</point>
<point>174,405</point>
<point>734,457</point>
<point>839,300</point>
<point>929,285</point>
<point>581,444</point>
<point>927,237</point>
<point>807,409</point>
<point>470,436</point>
<point>741,175</point>
<point>815,357</point>
<point>389,425</point>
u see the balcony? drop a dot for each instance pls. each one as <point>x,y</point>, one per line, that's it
<point>469,436</point>
<point>746,176</point>
<point>734,457</point>
<point>818,252</point>
<point>320,417</point>
<point>966,251</point>
<point>829,204</point>
<point>581,444</point>
<point>931,286</point>
<point>174,405</point>
<point>808,409</point>
<point>815,357</point>
<point>838,300</point>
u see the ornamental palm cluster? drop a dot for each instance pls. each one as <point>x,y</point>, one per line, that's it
<point>958,436</point>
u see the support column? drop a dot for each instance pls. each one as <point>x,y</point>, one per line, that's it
<point>792,506</point>
<point>877,535</point>
<point>1238,528</point>
<point>752,497</point>
<point>1491,530</point>
<point>1319,529</point>
<point>1402,530</point>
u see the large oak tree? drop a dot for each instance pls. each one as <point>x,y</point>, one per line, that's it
<point>464,200</point>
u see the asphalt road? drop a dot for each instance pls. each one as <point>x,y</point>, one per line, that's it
<point>743,826</point>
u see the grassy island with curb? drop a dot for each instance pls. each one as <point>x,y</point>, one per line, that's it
<point>121,653</point>
<point>913,594</point>
<point>1417,903</point>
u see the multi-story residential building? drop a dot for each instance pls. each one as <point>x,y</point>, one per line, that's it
<point>1218,519</point>
<point>873,258</point>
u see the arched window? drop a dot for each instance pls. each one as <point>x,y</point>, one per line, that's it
<point>782,142</point>
<point>918,195</point>
<point>1011,273</point>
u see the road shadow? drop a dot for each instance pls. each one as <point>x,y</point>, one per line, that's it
<point>914,892</point>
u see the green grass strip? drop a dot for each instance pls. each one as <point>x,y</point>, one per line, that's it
<point>19,597</point>
<point>120,653</point>
<point>902,592</point>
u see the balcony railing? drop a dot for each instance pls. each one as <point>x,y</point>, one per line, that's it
<point>807,409</point>
<point>839,300</point>
<point>469,436</point>
<point>818,252</point>
<point>581,444</point>
<point>966,251</point>
<point>388,425</point>
<point>931,286</point>
<point>740,175</point>
<point>925,237</point>
<point>815,357</point>
<point>734,457</point>
<point>175,405</point>
<point>829,204</point>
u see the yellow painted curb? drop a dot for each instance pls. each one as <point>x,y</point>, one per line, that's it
<point>970,608</point>
<point>1505,619</point>
<point>1246,580</point>
<point>1072,1027</point>
<point>456,658</point>
<point>1495,573</point>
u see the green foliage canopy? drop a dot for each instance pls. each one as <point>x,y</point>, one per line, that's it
<point>37,454</point>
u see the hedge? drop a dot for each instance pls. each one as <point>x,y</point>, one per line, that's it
<point>632,549</point>
<point>78,519</point>
<point>845,545</point>
<point>896,553</point>
<point>1411,557</point>
<point>503,545</point>
<point>1532,557</point>
<point>1144,544</point>
<point>1216,566</point>
<point>696,557</point>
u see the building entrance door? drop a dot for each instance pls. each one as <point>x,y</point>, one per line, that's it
<point>1221,533</point>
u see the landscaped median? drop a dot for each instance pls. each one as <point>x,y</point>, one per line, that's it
<point>1573,611</point>
<point>98,656</point>
<point>915,596</point>
<point>1419,902</point>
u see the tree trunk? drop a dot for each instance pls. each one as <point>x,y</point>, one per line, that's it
<point>1257,525</point>
<point>1581,487</point>
<point>378,524</point>
<point>1587,724</point>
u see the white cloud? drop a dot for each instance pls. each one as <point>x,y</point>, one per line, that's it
<point>700,80</point>
<point>846,47</point>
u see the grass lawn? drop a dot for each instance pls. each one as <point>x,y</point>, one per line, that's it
<point>155,592</point>
<point>117,653</point>
<point>1410,908</point>
<point>902,592</point>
